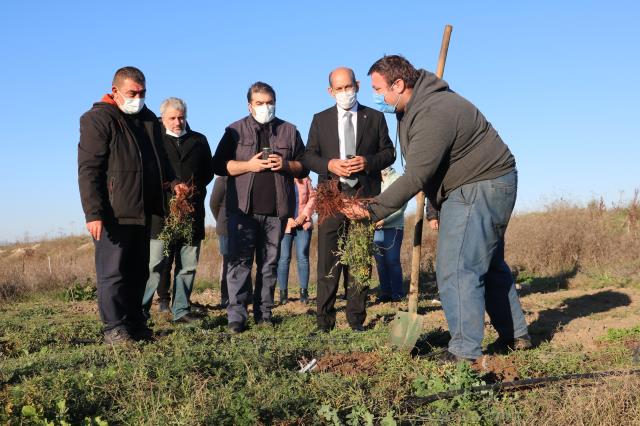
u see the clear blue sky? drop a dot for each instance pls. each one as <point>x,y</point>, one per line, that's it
<point>559,80</point>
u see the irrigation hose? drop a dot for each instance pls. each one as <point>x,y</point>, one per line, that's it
<point>514,385</point>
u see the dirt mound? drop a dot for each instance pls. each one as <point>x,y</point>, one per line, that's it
<point>496,369</point>
<point>350,364</point>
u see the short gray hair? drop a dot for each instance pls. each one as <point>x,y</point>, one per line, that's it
<point>175,103</point>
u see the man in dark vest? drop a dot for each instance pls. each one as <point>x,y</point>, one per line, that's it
<point>190,160</point>
<point>261,155</point>
<point>122,173</point>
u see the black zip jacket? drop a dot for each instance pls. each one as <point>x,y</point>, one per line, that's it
<point>110,168</point>
<point>191,161</point>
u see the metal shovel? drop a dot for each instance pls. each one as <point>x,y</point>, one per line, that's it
<point>407,326</point>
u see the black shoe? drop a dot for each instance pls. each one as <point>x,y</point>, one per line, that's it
<point>187,318</point>
<point>198,311</point>
<point>384,298</point>
<point>357,328</point>
<point>304,296</point>
<point>163,306</point>
<point>141,333</point>
<point>235,327</point>
<point>224,302</point>
<point>445,357</point>
<point>284,297</point>
<point>503,346</point>
<point>117,336</point>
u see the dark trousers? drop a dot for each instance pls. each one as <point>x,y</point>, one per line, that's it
<point>252,235</point>
<point>122,270</point>
<point>223,245</point>
<point>329,271</point>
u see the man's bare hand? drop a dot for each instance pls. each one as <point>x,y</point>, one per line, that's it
<point>357,164</point>
<point>276,162</point>
<point>300,219</point>
<point>339,167</point>
<point>355,211</point>
<point>379,224</point>
<point>434,224</point>
<point>257,164</point>
<point>180,189</point>
<point>291,223</point>
<point>95,229</point>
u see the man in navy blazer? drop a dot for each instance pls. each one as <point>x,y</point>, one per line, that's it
<point>349,142</point>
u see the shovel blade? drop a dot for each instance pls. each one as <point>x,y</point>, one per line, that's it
<point>405,330</point>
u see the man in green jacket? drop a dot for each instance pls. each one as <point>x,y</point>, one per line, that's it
<point>458,159</point>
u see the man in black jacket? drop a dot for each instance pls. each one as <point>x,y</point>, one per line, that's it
<point>121,170</point>
<point>191,163</point>
<point>350,142</point>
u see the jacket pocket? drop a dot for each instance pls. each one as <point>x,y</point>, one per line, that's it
<point>245,149</point>
<point>125,195</point>
<point>283,149</point>
<point>110,183</point>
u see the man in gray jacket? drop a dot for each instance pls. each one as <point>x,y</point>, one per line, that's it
<point>458,159</point>
<point>261,155</point>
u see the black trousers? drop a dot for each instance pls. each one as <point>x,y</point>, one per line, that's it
<point>122,270</point>
<point>329,272</point>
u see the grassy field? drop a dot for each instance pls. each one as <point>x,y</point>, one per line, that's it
<point>578,269</point>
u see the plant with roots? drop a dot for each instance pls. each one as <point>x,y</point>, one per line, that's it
<point>355,242</point>
<point>178,226</point>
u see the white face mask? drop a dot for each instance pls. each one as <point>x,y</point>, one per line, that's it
<point>177,135</point>
<point>131,105</point>
<point>264,113</point>
<point>346,100</point>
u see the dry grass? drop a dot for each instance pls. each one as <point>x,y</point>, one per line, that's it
<point>615,401</point>
<point>568,237</point>
<point>562,238</point>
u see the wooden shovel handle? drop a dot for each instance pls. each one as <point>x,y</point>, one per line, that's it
<point>417,231</point>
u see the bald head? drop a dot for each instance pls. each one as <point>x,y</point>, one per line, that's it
<point>342,74</point>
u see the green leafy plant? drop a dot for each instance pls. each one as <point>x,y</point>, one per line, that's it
<point>355,243</point>
<point>355,250</point>
<point>78,291</point>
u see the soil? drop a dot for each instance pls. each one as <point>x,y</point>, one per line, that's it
<point>349,364</point>
<point>496,369</point>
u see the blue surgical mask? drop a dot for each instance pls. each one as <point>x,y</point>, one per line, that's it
<point>378,99</point>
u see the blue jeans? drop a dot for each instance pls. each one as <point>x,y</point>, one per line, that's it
<point>389,242</point>
<point>185,272</point>
<point>303,240</point>
<point>472,274</point>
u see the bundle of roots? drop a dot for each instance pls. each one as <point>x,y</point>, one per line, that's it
<point>330,200</point>
<point>355,244</point>
<point>178,226</point>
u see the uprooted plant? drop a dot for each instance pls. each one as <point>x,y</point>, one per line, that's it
<point>178,226</point>
<point>355,243</point>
